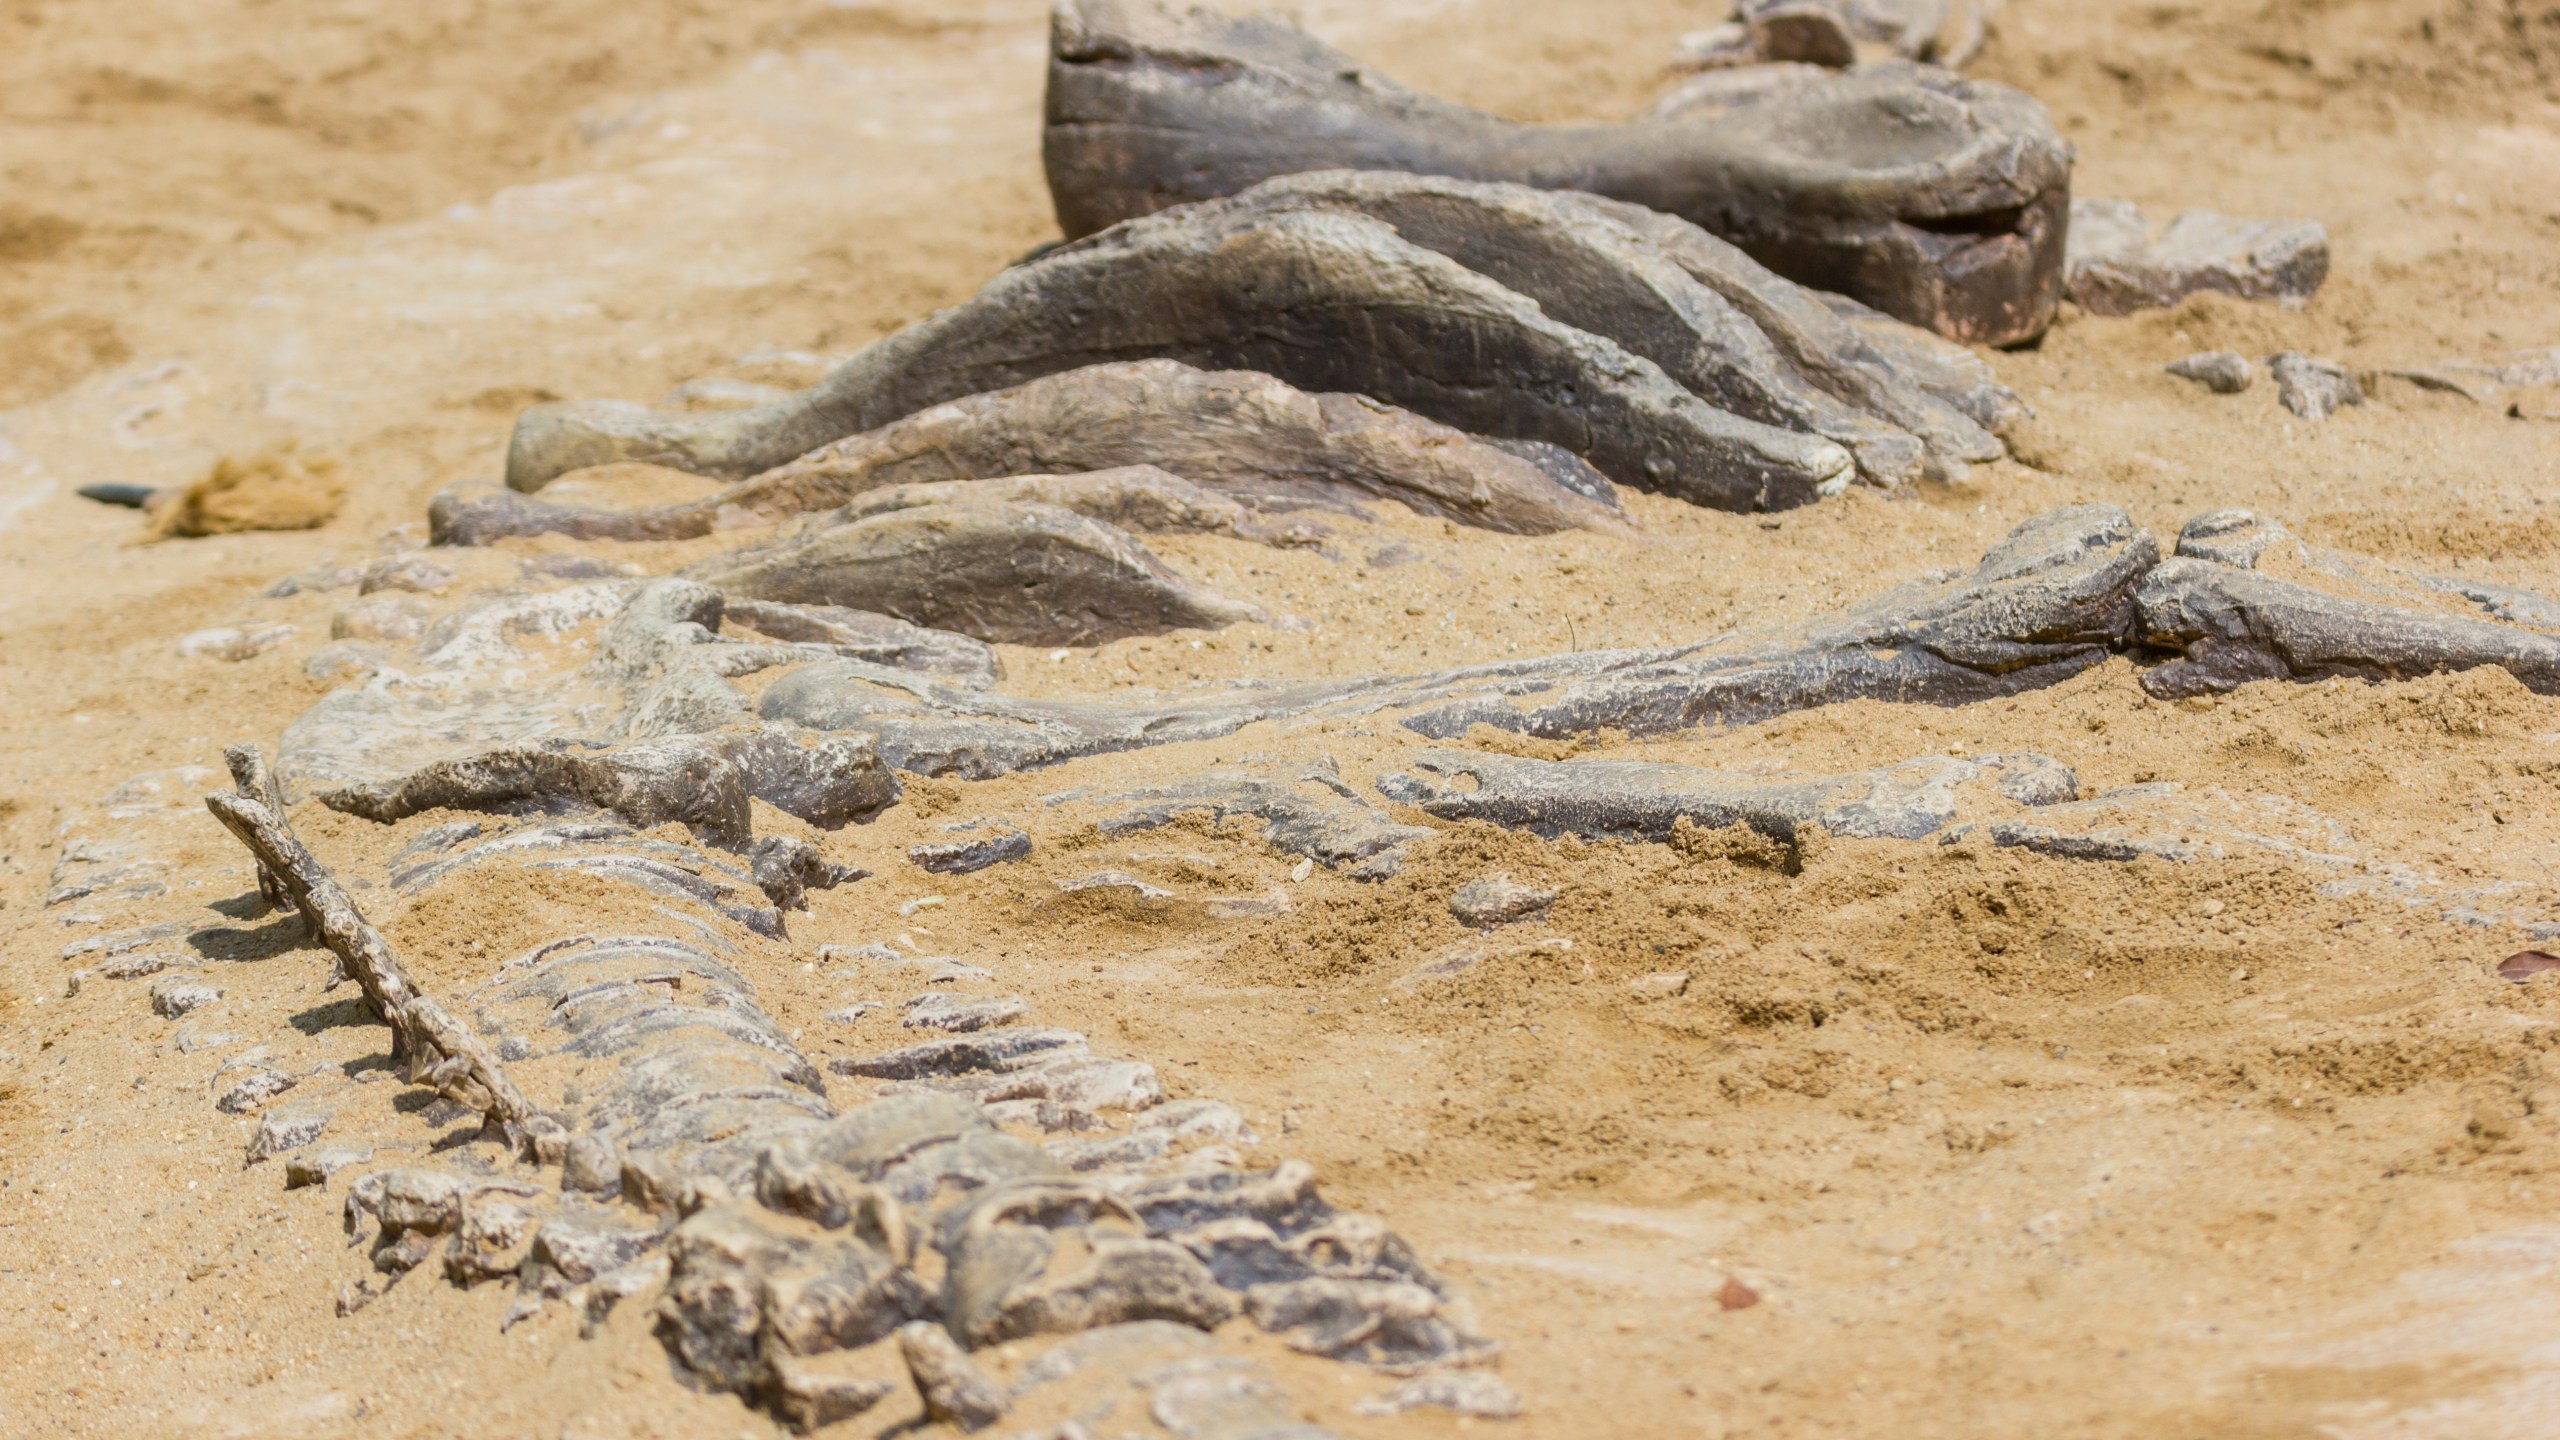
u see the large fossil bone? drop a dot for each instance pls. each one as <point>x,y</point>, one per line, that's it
<point>1324,299</point>
<point>2244,599</point>
<point>1937,200</point>
<point>1249,437</point>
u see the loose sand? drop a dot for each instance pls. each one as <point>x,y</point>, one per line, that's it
<point>2006,1146</point>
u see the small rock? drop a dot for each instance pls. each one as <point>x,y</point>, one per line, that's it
<point>2113,264</point>
<point>1664,986</point>
<point>1498,900</point>
<point>253,1090</point>
<point>1467,1392</point>
<point>1118,884</point>
<point>2219,371</point>
<point>1199,1119</point>
<point>134,967</point>
<point>386,619</point>
<point>176,995</point>
<point>191,1041</point>
<point>810,1393</point>
<point>2311,387</point>
<point>234,642</point>
<point>592,1165</point>
<point>414,573</point>
<point>314,1167</point>
<point>1736,1296</point>
<point>277,1134</point>
<point>959,1014</point>
<point>955,1391</point>
<point>988,842</point>
<point>2525,964</point>
<point>344,660</point>
<point>854,1012</point>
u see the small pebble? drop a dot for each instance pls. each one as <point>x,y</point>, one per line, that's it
<point>1498,900</point>
<point>2219,371</point>
<point>175,996</point>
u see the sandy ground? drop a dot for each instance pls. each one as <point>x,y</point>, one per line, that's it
<point>2010,1146</point>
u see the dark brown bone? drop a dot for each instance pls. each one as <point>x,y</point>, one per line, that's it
<point>1935,199</point>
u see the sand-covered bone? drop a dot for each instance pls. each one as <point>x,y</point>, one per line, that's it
<point>2118,264</point>
<point>1306,810</point>
<point>1139,498</point>
<point>1633,800</point>
<point>1247,436</point>
<point>1839,33</point>
<point>704,781</point>
<point>1931,198</point>
<point>2244,599</point>
<point>2052,600</point>
<point>872,637</point>
<point>1326,300</point>
<point>1012,572</point>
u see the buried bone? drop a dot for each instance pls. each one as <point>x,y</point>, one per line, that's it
<point>1839,33</point>
<point>2117,265</point>
<point>2244,599</point>
<point>1929,197</point>
<point>1244,436</point>
<point>1321,298</point>
<point>2050,601</point>
<point>1017,573</point>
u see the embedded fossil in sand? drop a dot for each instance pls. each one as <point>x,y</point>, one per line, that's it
<point>1934,199</point>
<point>1247,438</point>
<point>682,1145</point>
<point>1838,33</point>
<point>2244,599</point>
<point>1666,359</point>
<point>2117,265</point>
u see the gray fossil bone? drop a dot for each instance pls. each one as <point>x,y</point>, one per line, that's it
<point>1323,299</point>
<point>1934,199</point>
<point>1840,33</point>
<point>1247,436</point>
<point>1632,800</point>
<point>2052,600</point>
<point>868,636</point>
<point>1729,330</point>
<point>2118,265</point>
<point>1020,573</point>
<point>2244,599</point>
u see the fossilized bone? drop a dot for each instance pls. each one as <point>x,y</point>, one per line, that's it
<point>1027,574</point>
<point>1249,437</point>
<point>1325,299</point>
<point>702,1156</point>
<point>1937,200</point>
<point>2244,599</point>
<point>1836,33</point>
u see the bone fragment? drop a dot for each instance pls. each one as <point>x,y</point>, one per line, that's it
<point>2311,387</point>
<point>2219,371</point>
<point>1934,199</point>
<point>2117,265</point>
<point>2244,599</point>
<point>875,638</point>
<point>955,1391</point>
<point>1015,573</point>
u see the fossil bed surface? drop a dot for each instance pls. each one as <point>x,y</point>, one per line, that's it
<point>2003,1144</point>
